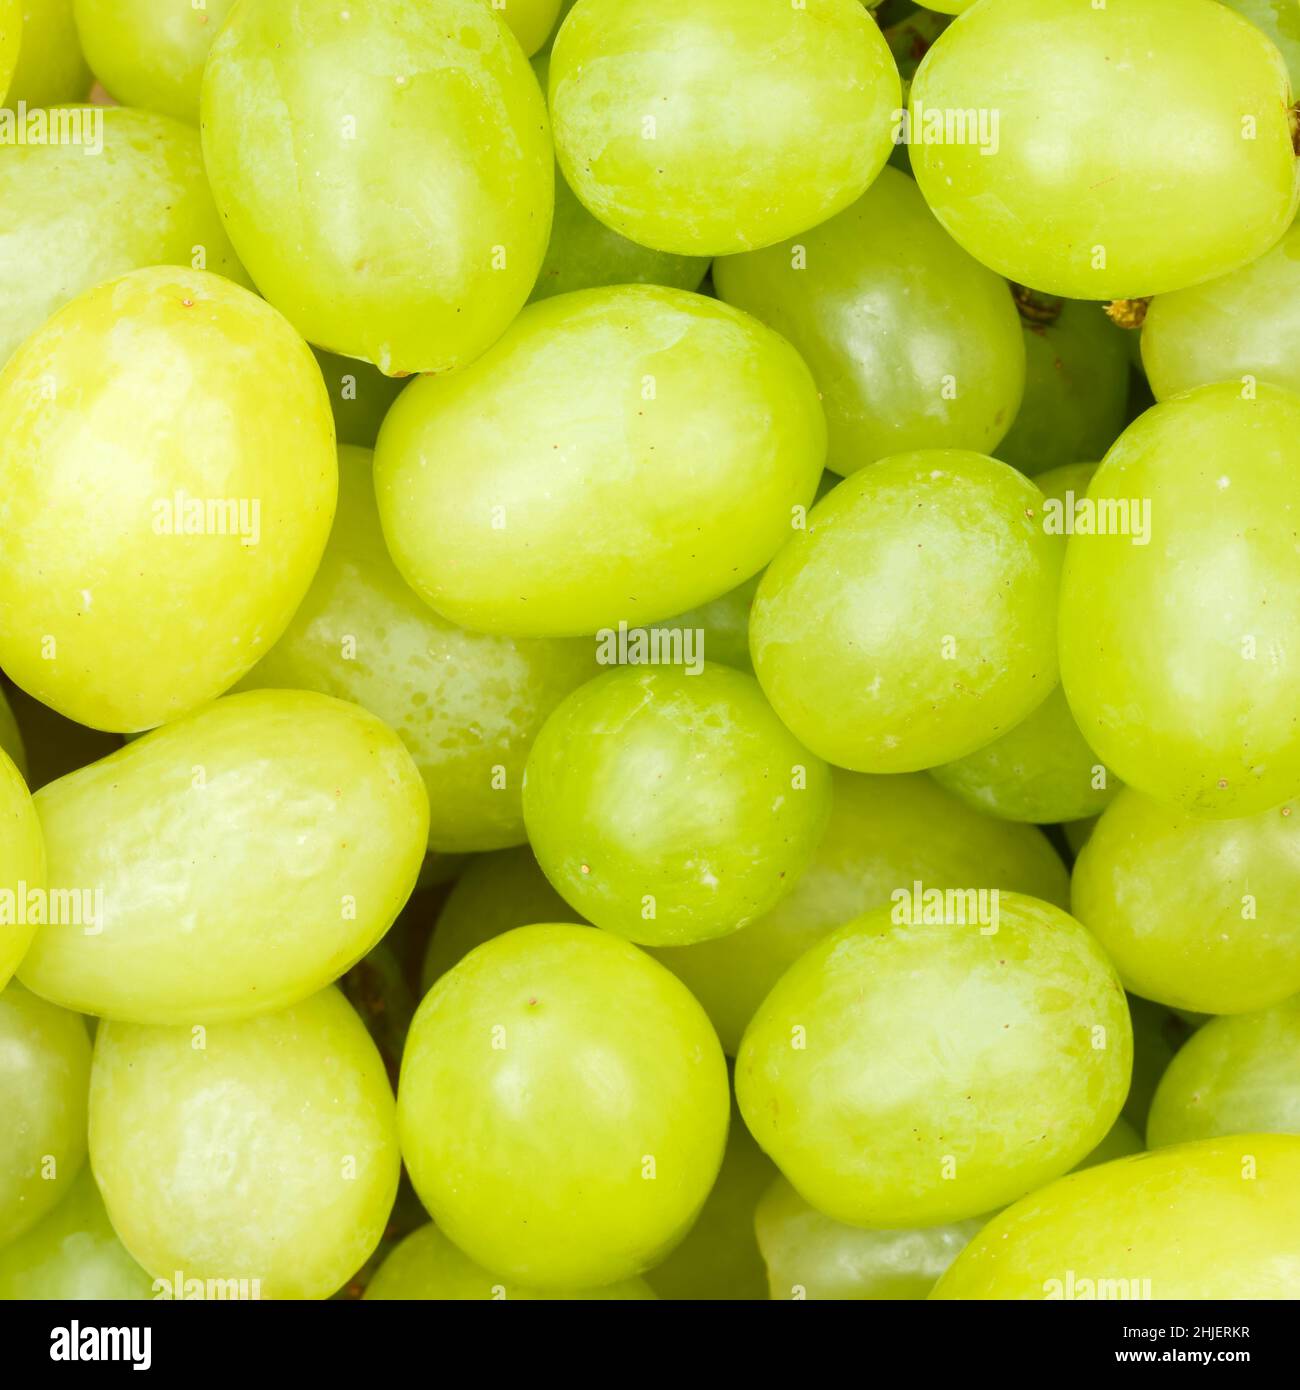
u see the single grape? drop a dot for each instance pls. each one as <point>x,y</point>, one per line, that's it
<point>1280,20</point>
<point>914,619</point>
<point>1147,1227</point>
<point>22,868</point>
<point>563,1107</point>
<point>531,21</point>
<point>11,739</point>
<point>466,705</point>
<point>670,807</point>
<point>232,862</point>
<point>360,397</point>
<point>385,171</point>
<point>1197,914</point>
<point>983,1055</point>
<point>51,69</point>
<point>1105,152</point>
<point>676,121</point>
<point>692,432</point>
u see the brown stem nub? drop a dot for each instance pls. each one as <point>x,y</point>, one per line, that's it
<point>1035,306</point>
<point>1127,313</point>
<point>1295,127</point>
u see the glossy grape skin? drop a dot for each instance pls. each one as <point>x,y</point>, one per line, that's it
<point>1216,1219</point>
<point>68,222</point>
<point>1123,165</point>
<point>531,21</point>
<point>247,856</point>
<point>215,1164</point>
<point>884,833</point>
<point>72,1253</point>
<point>982,1064</point>
<point>360,397</point>
<point>1243,324</point>
<point>467,705</point>
<point>11,739</point>
<point>106,612</point>
<point>422,228</point>
<point>51,69</point>
<point>892,316</point>
<point>1076,390</point>
<point>1197,914</point>
<point>44,1072</point>
<point>150,53</point>
<point>745,95</point>
<point>1237,1075</point>
<point>427,1266</point>
<point>670,807</point>
<point>944,547</point>
<point>1280,20</point>
<point>22,866</point>
<point>1178,656</point>
<point>601,1061</point>
<point>488,480</point>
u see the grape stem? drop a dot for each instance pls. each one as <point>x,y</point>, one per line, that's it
<point>1036,307</point>
<point>1128,313</point>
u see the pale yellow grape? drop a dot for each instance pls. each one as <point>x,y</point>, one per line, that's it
<point>385,169</point>
<point>51,69</point>
<point>22,868</point>
<point>530,21</point>
<point>467,705</point>
<point>232,862</point>
<point>11,739</point>
<point>1218,1219</point>
<point>167,482</point>
<point>263,1149</point>
<point>620,455</point>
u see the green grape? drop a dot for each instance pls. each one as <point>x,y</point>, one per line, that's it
<point>670,807</point>
<point>563,1107</point>
<point>169,502</point>
<point>884,833</point>
<point>360,397</point>
<point>1216,1220</point>
<point>531,21</point>
<point>1105,152</point>
<point>385,171</point>
<point>468,706</point>
<point>691,431</point>
<point>496,893</point>
<point>73,1253</point>
<point>914,619</point>
<point>22,868</point>
<point>262,1150</point>
<point>11,739</point>
<point>68,222</point>
<point>54,745</point>
<point>51,69</point>
<point>1157,1035</point>
<point>232,862</point>
<point>44,1072</point>
<point>1076,386</point>
<point>1242,325</point>
<point>1120,1141</point>
<point>676,121</point>
<point>983,1055</point>
<point>1196,914</point>
<point>1179,622</point>
<point>427,1266</point>
<point>1238,1075</point>
<point>11,28</point>
<point>914,344</point>
<point>1280,20</point>
<point>811,1256</point>
<point>151,53</point>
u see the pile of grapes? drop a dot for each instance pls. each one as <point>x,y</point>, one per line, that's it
<point>651,649</point>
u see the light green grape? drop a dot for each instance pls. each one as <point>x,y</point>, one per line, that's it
<point>150,53</point>
<point>1242,325</point>
<point>884,833</point>
<point>676,120</point>
<point>1196,914</point>
<point>1076,386</point>
<point>811,1256</point>
<point>496,893</point>
<point>1158,1033</point>
<point>73,1253</point>
<point>1105,152</point>
<point>1180,622</point>
<point>982,1043</point>
<point>687,429</point>
<point>1216,1220</point>
<point>69,221</point>
<point>670,807</point>
<point>360,397</point>
<point>427,1266</point>
<point>913,620</point>
<point>44,1072</point>
<point>261,1150</point>
<point>168,504</point>
<point>51,69</point>
<point>1280,20</point>
<point>914,344</point>
<point>531,21</point>
<point>11,29</point>
<point>467,705</point>
<point>547,1079</point>
<point>11,739</point>
<point>1238,1075</point>
<point>229,863</point>
<point>22,868</point>
<point>385,171</point>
